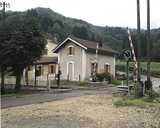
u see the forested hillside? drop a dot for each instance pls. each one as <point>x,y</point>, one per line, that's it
<point>55,24</point>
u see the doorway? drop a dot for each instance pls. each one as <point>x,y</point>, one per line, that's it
<point>70,71</point>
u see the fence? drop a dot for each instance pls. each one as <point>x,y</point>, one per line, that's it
<point>41,81</point>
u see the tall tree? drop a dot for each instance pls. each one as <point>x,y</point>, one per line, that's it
<point>22,44</point>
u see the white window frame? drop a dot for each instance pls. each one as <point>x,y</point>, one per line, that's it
<point>71,46</point>
<point>108,65</point>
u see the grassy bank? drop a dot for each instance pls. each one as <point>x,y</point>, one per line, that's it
<point>155,67</point>
<point>139,102</point>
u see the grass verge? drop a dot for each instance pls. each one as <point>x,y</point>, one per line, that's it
<point>155,67</point>
<point>139,102</point>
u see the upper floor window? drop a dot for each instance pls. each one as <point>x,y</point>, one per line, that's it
<point>70,50</point>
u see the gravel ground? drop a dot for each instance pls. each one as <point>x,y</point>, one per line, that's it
<point>91,111</point>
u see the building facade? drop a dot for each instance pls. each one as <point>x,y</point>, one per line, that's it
<point>45,67</point>
<point>77,58</point>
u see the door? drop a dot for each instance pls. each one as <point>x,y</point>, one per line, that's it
<point>70,71</point>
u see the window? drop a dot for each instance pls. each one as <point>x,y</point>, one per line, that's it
<point>29,68</point>
<point>70,50</point>
<point>107,68</point>
<point>52,69</point>
<point>94,68</point>
<point>39,70</point>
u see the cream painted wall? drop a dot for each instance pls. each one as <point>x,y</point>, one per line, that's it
<point>102,60</point>
<point>50,46</point>
<point>82,62</point>
<point>76,59</point>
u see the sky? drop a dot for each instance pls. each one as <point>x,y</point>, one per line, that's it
<point>120,13</point>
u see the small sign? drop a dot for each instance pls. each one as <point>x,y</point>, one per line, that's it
<point>127,54</point>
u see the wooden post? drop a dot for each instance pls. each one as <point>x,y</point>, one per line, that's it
<point>48,85</point>
<point>35,76</point>
<point>79,77</point>
<point>2,80</point>
<point>26,76</point>
<point>58,76</point>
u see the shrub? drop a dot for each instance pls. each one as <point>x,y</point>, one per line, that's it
<point>103,77</point>
<point>116,82</point>
<point>120,68</point>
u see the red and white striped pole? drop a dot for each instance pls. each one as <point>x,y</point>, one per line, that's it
<point>134,55</point>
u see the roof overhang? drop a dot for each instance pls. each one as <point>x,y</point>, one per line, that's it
<point>46,60</point>
<point>61,44</point>
<point>101,52</point>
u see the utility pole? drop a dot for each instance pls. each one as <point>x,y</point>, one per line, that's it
<point>139,42</point>
<point>139,90</point>
<point>4,5</point>
<point>148,46</point>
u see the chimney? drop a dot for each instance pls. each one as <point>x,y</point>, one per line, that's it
<point>55,39</point>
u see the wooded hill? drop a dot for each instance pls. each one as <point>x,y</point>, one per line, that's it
<point>56,25</point>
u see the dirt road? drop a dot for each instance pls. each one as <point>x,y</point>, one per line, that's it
<point>84,111</point>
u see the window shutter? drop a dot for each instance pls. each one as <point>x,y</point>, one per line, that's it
<point>73,50</point>
<point>68,50</point>
<point>42,70</point>
<point>109,66</point>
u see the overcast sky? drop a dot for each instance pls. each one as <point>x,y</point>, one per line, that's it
<point>98,12</point>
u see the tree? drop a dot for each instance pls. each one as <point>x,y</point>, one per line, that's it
<point>21,44</point>
<point>80,32</point>
<point>4,62</point>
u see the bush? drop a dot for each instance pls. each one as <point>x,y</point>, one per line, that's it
<point>130,102</point>
<point>116,82</point>
<point>121,76</point>
<point>103,77</point>
<point>120,68</point>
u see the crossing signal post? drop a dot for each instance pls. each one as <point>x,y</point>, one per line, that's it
<point>135,73</point>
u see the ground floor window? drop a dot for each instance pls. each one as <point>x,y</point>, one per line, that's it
<point>94,68</point>
<point>52,69</point>
<point>107,68</point>
<point>29,68</point>
<point>39,70</point>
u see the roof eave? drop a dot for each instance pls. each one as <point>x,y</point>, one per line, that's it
<point>101,52</point>
<point>61,44</point>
